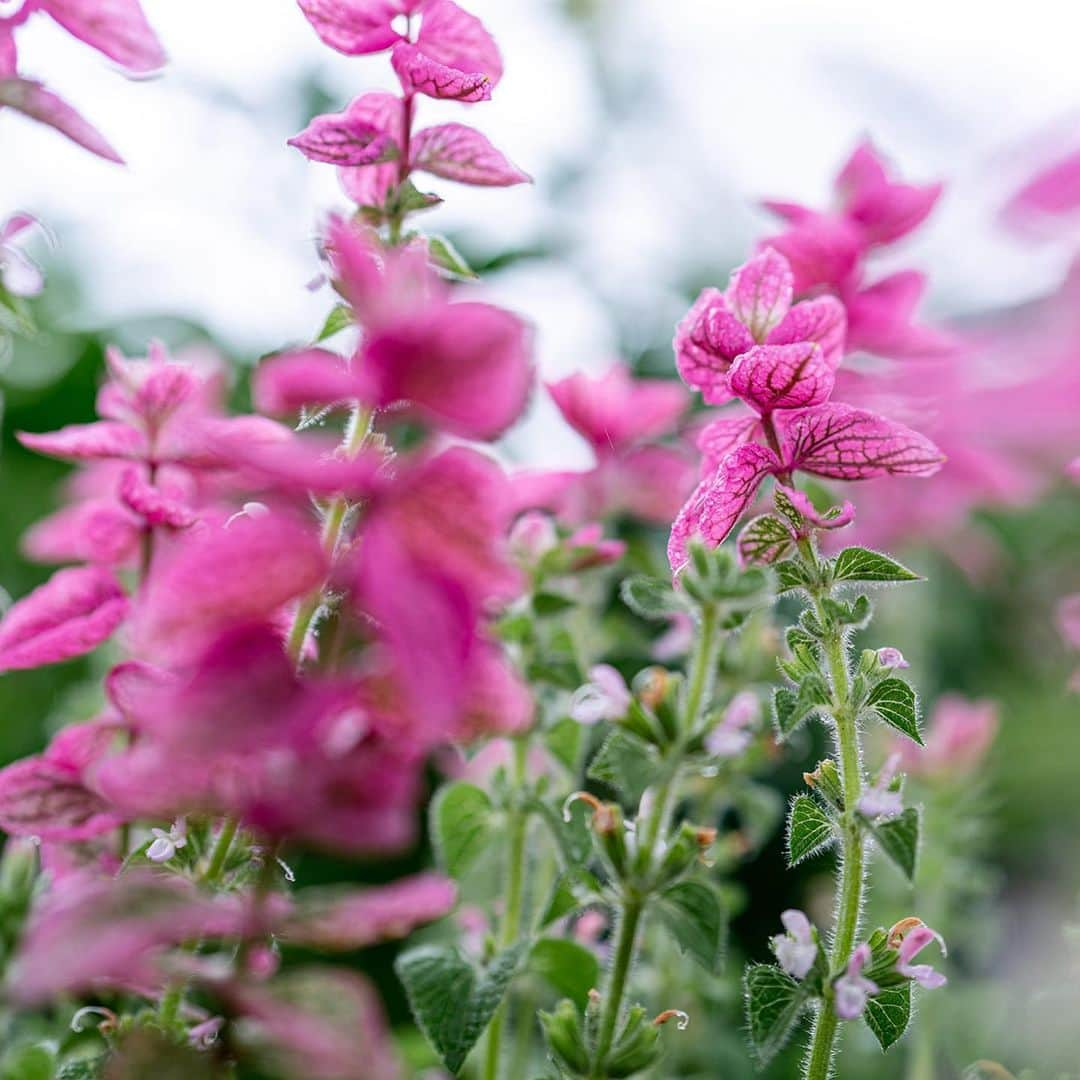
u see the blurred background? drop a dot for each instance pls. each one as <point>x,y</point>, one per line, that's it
<point>652,128</point>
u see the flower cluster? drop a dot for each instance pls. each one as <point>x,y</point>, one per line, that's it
<point>304,621</point>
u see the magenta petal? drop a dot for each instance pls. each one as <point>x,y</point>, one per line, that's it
<point>452,37</point>
<point>419,74</point>
<point>81,442</point>
<point>823,321</point>
<point>771,377</point>
<point>759,293</point>
<point>340,140</point>
<point>358,918</point>
<point>94,530</point>
<point>650,482</point>
<point>71,614</point>
<point>228,575</point>
<point>712,511</point>
<point>38,799</point>
<point>707,340</point>
<point>368,185</point>
<point>459,152</point>
<point>154,505</point>
<point>286,383</point>
<point>717,439</point>
<point>465,368</point>
<point>117,28</point>
<point>844,443</point>
<point>614,410</point>
<point>33,100</point>
<point>353,27</point>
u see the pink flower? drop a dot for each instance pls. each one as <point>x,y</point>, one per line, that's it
<point>452,56</point>
<point>226,576</point>
<point>730,737</point>
<point>800,345</point>
<point>71,614</point>
<point>880,802</point>
<point>959,734</point>
<point>18,274</point>
<point>832,440</point>
<point>315,1022</point>
<point>852,989</point>
<point>891,658</point>
<point>796,951</point>
<point>89,931</point>
<point>616,411</point>
<point>915,940</point>
<point>1051,194</point>
<point>605,697</point>
<point>354,919</point>
<point>47,795</point>
<point>463,367</point>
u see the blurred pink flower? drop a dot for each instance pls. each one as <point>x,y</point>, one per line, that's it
<point>605,697</point>
<point>731,736</point>
<point>18,274</point>
<point>959,733</point>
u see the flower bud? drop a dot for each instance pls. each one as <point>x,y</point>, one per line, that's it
<point>562,1030</point>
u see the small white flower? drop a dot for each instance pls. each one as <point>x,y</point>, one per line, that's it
<point>606,697</point>
<point>166,844</point>
<point>796,950</point>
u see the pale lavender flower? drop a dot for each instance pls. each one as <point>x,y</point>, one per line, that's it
<point>914,942</point>
<point>853,989</point>
<point>605,697</point>
<point>730,736</point>
<point>796,950</point>
<point>878,802</point>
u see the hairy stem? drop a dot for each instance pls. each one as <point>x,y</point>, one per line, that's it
<point>510,929</point>
<point>622,960</point>
<point>849,902</point>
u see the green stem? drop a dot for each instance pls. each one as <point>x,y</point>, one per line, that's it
<point>510,929</point>
<point>849,905</point>
<point>169,1007</point>
<point>625,947</point>
<point>356,434</point>
<point>633,902</point>
<point>220,852</point>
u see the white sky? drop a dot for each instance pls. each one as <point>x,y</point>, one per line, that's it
<point>214,216</point>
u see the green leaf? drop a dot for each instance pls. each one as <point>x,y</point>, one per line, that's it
<point>894,702</point>
<point>570,968</point>
<point>626,764</point>
<point>791,574</point>
<point>899,839</point>
<point>763,540</point>
<point>29,1063</point>
<point>549,603</point>
<point>888,1013</point>
<point>792,707</point>
<point>563,739</point>
<point>862,564</point>
<point>651,598</point>
<point>409,198</point>
<point>453,1001</point>
<point>691,910</point>
<point>461,825</point>
<point>340,317</point>
<point>809,831</point>
<point>573,889</point>
<point>774,1002</point>
<point>447,257</point>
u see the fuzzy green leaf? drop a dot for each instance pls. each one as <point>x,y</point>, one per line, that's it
<point>899,839</point>
<point>570,968</point>
<point>791,574</point>
<point>809,830</point>
<point>651,598</point>
<point>549,603</point>
<point>774,1002</point>
<point>888,1013</point>
<point>573,889</point>
<point>452,1000</point>
<point>862,564</point>
<point>626,764</point>
<point>691,910</point>
<point>461,824</point>
<point>894,702</point>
